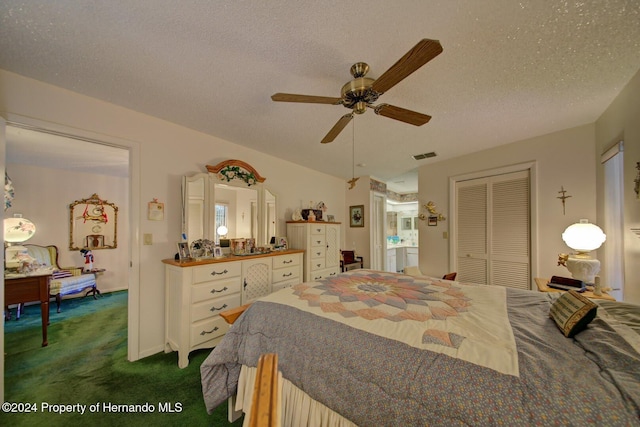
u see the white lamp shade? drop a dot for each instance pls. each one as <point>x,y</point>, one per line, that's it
<point>584,237</point>
<point>222,230</point>
<point>18,230</point>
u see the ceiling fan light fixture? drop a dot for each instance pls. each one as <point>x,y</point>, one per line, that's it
<point>424,156</point>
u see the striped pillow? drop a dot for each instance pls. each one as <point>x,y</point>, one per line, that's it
<point>60,274</point>
<point>572,312</point>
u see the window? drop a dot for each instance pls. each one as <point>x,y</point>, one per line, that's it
<point>613,276</point>
<point>222,213</point>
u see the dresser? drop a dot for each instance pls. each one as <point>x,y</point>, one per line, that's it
<point>321,243</point>
<point>197,291</point>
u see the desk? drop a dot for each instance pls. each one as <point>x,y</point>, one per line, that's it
<point>542,287</point>
<point>30,288</point>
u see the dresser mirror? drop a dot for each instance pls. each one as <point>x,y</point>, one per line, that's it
<point>93,224</point>
<point>231,194</point>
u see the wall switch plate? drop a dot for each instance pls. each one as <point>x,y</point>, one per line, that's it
<point>147,239</point>
<point>445,235</point>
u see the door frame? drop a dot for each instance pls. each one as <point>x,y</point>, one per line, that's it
<point>133,244</point>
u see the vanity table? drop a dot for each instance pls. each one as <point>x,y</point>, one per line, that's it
<point>198,291</point>
<point>21,288</point>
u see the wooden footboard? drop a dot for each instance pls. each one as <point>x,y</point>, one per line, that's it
<point>265,403</point>
<point>230,316</point>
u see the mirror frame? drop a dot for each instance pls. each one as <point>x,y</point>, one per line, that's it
<point>96,215</point>
<point>235,173</point>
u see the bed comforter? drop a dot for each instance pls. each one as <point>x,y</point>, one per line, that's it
<point>376,380</point>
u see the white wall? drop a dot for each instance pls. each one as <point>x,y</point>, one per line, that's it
<point>621,122</point>
<point>167,151</point>
<point>43,195</point>
<point>563,158</point>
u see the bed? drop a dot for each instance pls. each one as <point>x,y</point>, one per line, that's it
<point>371,348</point>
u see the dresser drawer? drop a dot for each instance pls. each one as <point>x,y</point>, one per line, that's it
<point>318,241</point>
<point>206,330</point>
<point>285,284</point>
<point>318,252</point>
<point>285,261</point>
<point>317,229</point>
<point>215,289</point>
<point>216,271</point>
<point>214,306</point>
<point>289,273</point>
<point>317,264</point>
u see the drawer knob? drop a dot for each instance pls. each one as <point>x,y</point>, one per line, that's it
<point>203,333</point>
<point>214,308</point>
<point>213,291</point>
<point>287,261</point>
<point>215,273</point>
<point>287,275</point>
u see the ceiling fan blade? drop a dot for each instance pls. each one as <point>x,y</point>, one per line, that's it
<point>419,55</point>
<point>337,128</point>
<point>402,114</point>
<point>292,97</point>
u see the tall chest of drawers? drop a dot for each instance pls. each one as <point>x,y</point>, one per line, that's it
<point>321,243</point>
<point>196,293</point>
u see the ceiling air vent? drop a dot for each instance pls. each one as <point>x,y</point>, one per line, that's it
<point>424,156</point>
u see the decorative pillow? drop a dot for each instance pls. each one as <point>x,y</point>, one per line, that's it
<point>572,312</point>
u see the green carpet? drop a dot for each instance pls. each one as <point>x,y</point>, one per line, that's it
<point>86,363</point>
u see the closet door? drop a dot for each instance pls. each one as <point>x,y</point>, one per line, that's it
<point>493,230</point>
<point>471,231</point>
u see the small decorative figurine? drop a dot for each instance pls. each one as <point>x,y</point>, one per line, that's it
<point>88,259</point>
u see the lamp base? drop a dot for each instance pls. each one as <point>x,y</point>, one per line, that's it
<point>584,269</point>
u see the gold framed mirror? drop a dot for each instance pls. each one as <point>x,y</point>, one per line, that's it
<point>93,224</point>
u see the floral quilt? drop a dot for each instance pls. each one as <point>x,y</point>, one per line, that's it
<point>468,322</point>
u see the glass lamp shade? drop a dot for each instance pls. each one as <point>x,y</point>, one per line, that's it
<point>583,237</point>
<point>222,230</point>
<point>18,230</point>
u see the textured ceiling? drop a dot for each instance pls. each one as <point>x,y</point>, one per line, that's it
<point>510,69</point>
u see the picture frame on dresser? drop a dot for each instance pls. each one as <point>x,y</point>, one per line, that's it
<point>217,252</point>
<point>356,216</point>
<point>183,251</point>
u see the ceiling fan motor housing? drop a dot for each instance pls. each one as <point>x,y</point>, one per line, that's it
<point>357,94</point>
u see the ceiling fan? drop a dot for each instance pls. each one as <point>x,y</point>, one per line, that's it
<point>361,92</point>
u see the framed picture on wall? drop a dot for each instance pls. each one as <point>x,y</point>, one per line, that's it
<point>356,216</point>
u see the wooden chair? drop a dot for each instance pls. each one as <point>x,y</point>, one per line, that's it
<point>450,276</point>
<point>348,259</point>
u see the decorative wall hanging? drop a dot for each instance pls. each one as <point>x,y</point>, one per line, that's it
<point>93,224</point>
<point>564,197</point>
<point>636,187</point>
<point>434,216</point>
<point>356,216</point>
<point>155,210</point>
<point>9,192</point>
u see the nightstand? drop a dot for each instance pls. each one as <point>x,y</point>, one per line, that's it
<point>542,287</point>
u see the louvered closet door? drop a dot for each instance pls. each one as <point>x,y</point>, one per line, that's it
<point>493,230</point>
<point>471,229</point>
<point>510,225</point>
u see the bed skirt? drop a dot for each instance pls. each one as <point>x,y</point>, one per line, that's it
<point>297,408</point>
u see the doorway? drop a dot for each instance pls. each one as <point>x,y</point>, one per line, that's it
<point>65,159</point>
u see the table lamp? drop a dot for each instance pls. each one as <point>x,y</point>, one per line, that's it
<point>583,237</point>
<point>16,230</point>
